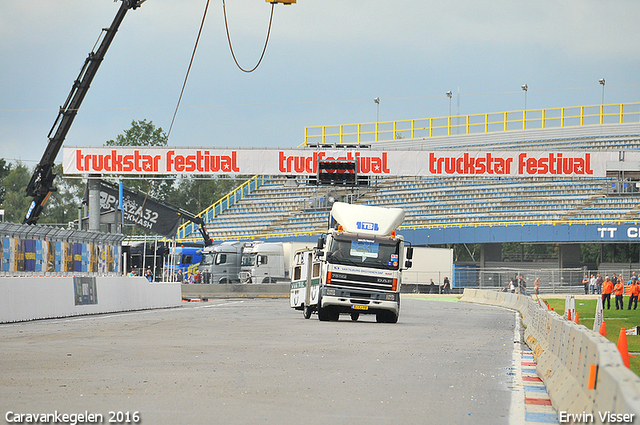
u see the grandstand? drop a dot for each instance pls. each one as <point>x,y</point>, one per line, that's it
<point>287,208</point>
<point>280,206</point>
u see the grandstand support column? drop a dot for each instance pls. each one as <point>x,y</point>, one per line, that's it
<point>569,256</point>
<point>94,203</point>
<point>489,252</point>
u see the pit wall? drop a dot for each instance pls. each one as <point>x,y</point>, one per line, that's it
<point>565,353</point>
<point>31,298</point>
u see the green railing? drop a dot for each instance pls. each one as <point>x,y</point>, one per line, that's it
<point>572,116</point>
<point>221,205</point>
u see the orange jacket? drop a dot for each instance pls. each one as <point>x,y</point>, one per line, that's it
<point>635,289</point>
<point>607,287</point>
<point>619,289</point>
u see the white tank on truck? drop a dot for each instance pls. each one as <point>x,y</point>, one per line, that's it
<point>356,268</point>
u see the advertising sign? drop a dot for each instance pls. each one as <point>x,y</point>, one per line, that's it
<point>207,161</point>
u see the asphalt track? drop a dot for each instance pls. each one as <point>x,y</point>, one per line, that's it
<point>256,361</point>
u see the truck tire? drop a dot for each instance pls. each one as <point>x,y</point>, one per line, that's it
<point>355,316</point>
<point>386,317</point>
<point>306,311</point>
<point>323,314</point>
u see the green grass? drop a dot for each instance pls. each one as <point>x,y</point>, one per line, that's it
<point>616,319</point>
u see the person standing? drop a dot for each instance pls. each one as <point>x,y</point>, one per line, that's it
<point>618,290</point>
<point>585,283</point>
<point>592,284</point>
<point>446,285</point>
<point>536,286</point>
<point>599,282</point>
<point>633,295</point>
<point>607,289</point>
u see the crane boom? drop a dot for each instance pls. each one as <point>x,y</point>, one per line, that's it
<point>41,183</point>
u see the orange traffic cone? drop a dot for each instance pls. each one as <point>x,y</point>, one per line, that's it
<point>569,314</point>
<point>576,320</point>
<point>622,347</point>
<point>603,328</point>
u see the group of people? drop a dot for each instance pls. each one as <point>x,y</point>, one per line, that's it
<point>517,285</point>
<point>614,285</point>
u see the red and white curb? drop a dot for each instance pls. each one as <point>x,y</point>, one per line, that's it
<point>530,403</point>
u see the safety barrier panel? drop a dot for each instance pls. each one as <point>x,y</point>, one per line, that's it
<point>32,298</point>
<point>582,370</point>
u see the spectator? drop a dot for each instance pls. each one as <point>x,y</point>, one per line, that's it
<point>592,284</point>
<point>633,294</point>
<point>599,282</point>
<point>607,289</point>
<point>536,286</point>
<point>619,292</point>
<point>585,283</point>
<point>522,285</point>
<point>149,275</point>
<point>446,287</point>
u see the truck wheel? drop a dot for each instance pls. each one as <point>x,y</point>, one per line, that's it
<point>386,317</point>
<point>323,314</point>
<point>267,280</point>
<point>334,315</point>
<point>306,311</point>
<point>223,281</point>
<point>355,316</point>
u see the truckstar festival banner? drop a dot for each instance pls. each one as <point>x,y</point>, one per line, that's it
<point>204,161</point>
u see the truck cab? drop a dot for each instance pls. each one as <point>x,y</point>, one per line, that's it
<point>262,263</point>
<point>221,263</point>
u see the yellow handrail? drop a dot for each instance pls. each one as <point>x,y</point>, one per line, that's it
<point>572,116</point>
<point>210,212</point>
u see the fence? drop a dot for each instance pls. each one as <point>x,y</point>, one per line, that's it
<point>50,251</point>
<point>573,116</point>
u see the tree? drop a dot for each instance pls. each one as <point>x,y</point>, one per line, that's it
<point>4,170</point>
<point>141,133</point>
<point>145,133</point>
<point>14,182</point>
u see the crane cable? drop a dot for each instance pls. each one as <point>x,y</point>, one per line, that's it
<point>195,47</point>
<point>193,54</point>
<point>226,25</point>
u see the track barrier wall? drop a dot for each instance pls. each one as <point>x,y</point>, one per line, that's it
<point>582,370</point>
<point>31,298</point>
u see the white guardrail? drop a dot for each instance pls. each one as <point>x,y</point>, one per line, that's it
<point>582,370</point>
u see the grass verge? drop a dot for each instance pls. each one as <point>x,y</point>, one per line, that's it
<point>616,319</point>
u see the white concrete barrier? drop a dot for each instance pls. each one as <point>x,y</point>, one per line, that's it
<point>582,370</point>
<point>30,298</point>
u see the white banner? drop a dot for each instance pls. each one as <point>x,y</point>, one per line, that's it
<point>597,323</point>
<point>154,160</point>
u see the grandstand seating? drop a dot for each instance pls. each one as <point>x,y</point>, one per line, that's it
<point>277,208</point>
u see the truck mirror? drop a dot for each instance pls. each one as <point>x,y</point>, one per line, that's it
<point>320,243</point>
<point>407,264</point>
<point>409,253</point>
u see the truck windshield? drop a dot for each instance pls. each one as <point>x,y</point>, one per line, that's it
<point>249,260</point>
<point>207,259</point>
<point>364,251</point>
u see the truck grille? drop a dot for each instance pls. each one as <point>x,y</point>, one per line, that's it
<point>354,281</point>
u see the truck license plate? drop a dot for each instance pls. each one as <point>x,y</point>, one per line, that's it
<point>360,307</point>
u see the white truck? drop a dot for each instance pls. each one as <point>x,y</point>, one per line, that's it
<point>262,262</point>
<point>356,268</point>
<point>247,262</point>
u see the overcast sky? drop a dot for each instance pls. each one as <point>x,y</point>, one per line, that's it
<point>326,62</point>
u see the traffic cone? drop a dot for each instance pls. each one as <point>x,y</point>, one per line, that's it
<point>569,315</point>
<point>622,347</point>
<point>576,320</point>
<point>603,329</point>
